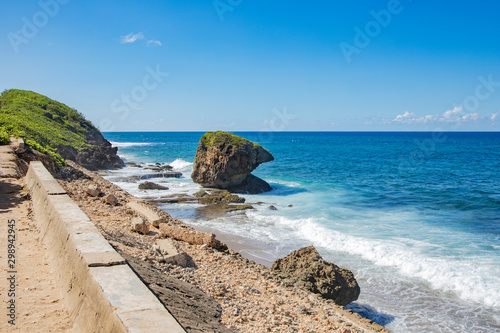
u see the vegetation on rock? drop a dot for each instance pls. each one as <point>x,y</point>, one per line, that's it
<point>218,137</point>
<point>53,128</point>
<point>216,196</point>
<point>55,156</point>
<point>32,116</point>
<point>4,138</point>
<point>224,161</point>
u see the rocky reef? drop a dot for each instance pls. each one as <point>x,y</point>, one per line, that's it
<point>225,161</point>
<point>306,269</point>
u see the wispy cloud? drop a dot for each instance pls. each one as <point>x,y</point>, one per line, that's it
<point>156,43</point>
<point>130,38</point>
<point>450,116</point>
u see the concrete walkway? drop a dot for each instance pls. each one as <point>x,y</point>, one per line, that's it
<point>38,303</point>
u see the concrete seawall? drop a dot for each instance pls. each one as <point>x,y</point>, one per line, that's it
<point>100,290</point>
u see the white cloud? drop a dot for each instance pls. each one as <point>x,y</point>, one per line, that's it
<point>453,112</point>
<point>404,117</point>
<point>154,43</point>
<point>131,37</point>
<point>450,116</point>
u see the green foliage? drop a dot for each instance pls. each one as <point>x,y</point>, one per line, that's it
<point>46,122</point>
<point>25,114</point>
<point>55,156</point>
<point>4,138</point>
<point>218,137</point>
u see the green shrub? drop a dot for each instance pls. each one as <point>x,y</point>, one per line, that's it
<point>4,138</point>
<point>217,137</point>
<point>55,156</point>
<point>43,123</point>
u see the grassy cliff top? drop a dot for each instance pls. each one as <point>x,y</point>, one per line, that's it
<point>218,137</point>
<point>32,116</point>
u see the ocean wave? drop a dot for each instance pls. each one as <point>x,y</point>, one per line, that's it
<point>469,280</point>
<point>131,144</point>
<point>181,165</point>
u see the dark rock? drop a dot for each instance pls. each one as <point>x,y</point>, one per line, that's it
<point>251,185</point>
<point>216,196</point>
<point>306,269</point>
<point>68,173</point>
<point>225,161</point>
<point>174,198</point>
<point>110,199</point>
<point>218,210</point>
<point>152,186</point>
<point>99,156</point>
<point>133,164</point>
<point>159,167</point>
<point>201,194</point>
<point>272,207</point>
<point>167,174</point>
<point>196,311</point>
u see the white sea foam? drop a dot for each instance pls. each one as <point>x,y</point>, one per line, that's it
<point>181,165</point>
<point>131,144</point>
<point>469,279</point>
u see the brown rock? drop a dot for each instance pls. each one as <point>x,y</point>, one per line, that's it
<point>225,161</point>
<point>140,226</point>
<point>93,190</point>
<point>188,235</point>
<point>151,186</point>
<point>110,199</point>
<point>217,196</point>
<point>306,269</point>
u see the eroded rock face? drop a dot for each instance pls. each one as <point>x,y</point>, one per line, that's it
<point>100,155</point>
<point>305,268</point>
<point>225,161</point>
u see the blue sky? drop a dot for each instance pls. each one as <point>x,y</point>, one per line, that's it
<point>259,65</point>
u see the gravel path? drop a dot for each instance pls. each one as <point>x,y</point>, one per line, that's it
<point>39,306</point>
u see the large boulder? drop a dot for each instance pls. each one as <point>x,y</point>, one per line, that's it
<point>306,269</point>
<point>225,161</point>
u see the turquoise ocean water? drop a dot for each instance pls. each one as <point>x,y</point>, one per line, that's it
<point>416,216</point>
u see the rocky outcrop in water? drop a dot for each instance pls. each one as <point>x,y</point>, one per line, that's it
<point>306,269</point>
<point>151,186</point>
<point>225,161</point>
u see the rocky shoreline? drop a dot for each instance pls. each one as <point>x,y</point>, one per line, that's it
<point>214,289</point>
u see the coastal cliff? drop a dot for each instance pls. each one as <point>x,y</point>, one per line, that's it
<point>56,130</point>
<point>225,161</point>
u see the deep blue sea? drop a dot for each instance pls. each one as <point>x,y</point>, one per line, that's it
<point>416,216</point>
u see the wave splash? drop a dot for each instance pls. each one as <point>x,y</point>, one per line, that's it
<point>130,144</point>
<point>468,280</point>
